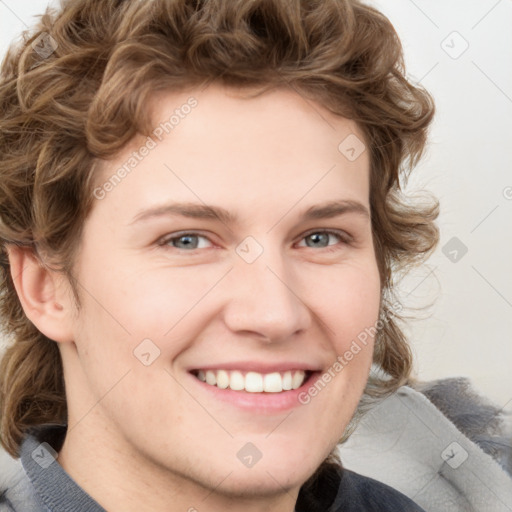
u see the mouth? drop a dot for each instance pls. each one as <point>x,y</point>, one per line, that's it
<point>253,382</point>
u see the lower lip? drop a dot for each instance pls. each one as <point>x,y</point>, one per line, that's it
<point>260,402</point>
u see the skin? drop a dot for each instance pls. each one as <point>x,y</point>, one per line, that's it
<point>149,437</point>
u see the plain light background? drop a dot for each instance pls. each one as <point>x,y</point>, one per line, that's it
<point>461,51</point>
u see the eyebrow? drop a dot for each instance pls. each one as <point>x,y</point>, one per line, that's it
<point>203,211</point>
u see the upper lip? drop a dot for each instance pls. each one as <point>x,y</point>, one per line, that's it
<point>254,366</point>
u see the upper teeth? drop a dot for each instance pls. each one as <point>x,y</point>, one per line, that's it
<point>253,382</point>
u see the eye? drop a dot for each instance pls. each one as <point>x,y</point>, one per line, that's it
<point>190,241</point>
<point>321,238</point>
<point>186,241</point>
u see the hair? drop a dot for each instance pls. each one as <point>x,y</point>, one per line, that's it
<point>61,113</point>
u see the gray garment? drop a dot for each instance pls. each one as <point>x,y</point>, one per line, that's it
<point>39,483</point>
<point>409,444</point>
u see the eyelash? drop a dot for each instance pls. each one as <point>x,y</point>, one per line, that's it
<point>344,238</point>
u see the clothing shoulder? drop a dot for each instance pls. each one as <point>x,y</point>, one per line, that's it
<point>16,491</point>
<point>358,493</point>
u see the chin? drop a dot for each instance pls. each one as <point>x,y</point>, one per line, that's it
<point>274,477</point>
<point>248,484</point>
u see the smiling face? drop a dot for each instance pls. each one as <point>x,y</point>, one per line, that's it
<point>237,251</point>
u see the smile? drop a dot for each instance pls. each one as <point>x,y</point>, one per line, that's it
<point>253,382</point>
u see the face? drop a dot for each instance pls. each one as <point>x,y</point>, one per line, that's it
<point>237,249</point>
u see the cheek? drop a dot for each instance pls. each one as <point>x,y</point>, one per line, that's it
<point>122,308</point>
<point>348,298</point>
<point>350,302</point>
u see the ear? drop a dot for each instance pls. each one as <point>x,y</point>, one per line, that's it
<point>45,295</point>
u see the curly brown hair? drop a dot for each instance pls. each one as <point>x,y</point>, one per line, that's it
<point>61,111</point>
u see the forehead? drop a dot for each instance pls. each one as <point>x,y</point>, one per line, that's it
<point>225,146</point>
<point>252,111</point>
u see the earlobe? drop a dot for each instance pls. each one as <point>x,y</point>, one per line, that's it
<point>42,293</point>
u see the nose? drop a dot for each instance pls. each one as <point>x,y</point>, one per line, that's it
<point>264,299</point>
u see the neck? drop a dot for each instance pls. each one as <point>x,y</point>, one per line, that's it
<point>120,479</point>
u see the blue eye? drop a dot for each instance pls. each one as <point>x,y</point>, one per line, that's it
<point>321,238</point>
<point>185,241</point>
